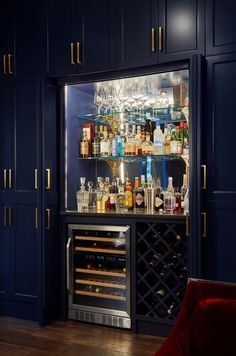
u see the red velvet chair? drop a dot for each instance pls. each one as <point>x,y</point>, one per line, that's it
<point>206,324</point>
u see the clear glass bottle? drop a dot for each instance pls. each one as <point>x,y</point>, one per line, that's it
<point>121,141</point>
<point>82,197</point>
<point>158,139</point>
<point>91,197</point>
<point>178,209</point>
<point>121,204</point>
<point>167,139</point>
<point>147,146</point>
<point>113,195</point>
<point>100,192</point>
<point>138,196</point>
<point>169,197</point>
<point>114,145</point>
<point>138,141</point>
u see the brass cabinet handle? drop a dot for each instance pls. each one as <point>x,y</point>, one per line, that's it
<point>5,216</point>
<point>153,39</point>
<point>36,218</point>
<point>4,178</point>
<point>36,179</point>
<point>204,176</point>
<point>78,53</point>
<point>160,38</point>
<point>48,186</point>
<point>10,216</point>
<point>9,63</point>
<point>9,178</point>
<point>4,64</point>
<point>72,53</point>
<point>48,227</point>
<point>187,224</point>
<point>204,224</point>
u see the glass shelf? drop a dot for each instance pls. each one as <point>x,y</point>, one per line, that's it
<point>127,159</point>
<point>170,114</point>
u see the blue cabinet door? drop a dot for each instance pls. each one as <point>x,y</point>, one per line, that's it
<point>181,29</point>
<point>30,25</point>
<point>5,250</point>
<point>136,26</point>
<point>220,26</point>
<point>7,39</point>
<point>7,111</point>
<point>220,262</point>
<point>62,23</point>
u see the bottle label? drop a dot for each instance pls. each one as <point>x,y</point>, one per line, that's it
<point>158,202</point>
<point>139,199</point>
<point>105,147</point>
<point>112,198</point>
<point>84,148</point>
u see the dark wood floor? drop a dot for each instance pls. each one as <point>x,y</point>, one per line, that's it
<point>20,338</point>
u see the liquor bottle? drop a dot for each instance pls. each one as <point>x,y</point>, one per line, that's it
<point>99,196</point>
<point>158,139</point>
<point>105,144</point>
<point>85,146</point>
<point>100,135</point>
<point>138,141</point>
<point>133,142</point>
<point>82,197</point>
<point>183,191</point>
<point>114,145</point>
<point>129,194</point>
<point>113,194</point>
<point>121,141</point>
<point>169,197</point>
<point>106,196</point>
<point>159,200</point>
<point>147,146</point>
<point>96,144</point>
<point>138,196</point>
<point>185,147</point>
<point>155,260</point>
<point>186,202</point>
<point>178,209</point>
<point>168,139</point>
<point>107,185</point>
<point>148,127</point>
<point>163,273</point>
<point>121,205</point>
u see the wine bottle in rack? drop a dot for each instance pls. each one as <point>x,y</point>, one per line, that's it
<point>163,273</point>
<point>155,260</point>
<point>161,292</point>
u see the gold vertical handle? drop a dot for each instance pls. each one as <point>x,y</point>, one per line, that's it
<point>5,216</point>
<point>36,179</point>
<point>204,224</point>
<point>204,176</point>
<point>78,53</point>
<point>10,178</point>
<point>4,64</point>
<point>4,178</point>
<point>72,53</point>
<point>48,227</point>
<point>48,186</point>
<point>153,39</point>
<point>9,64</point>
<point>36,218</point>
<point>10,216</point>
<point>160,38</point>
<point>187,224</point>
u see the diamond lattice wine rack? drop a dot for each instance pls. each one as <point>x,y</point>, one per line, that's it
<point>161,269</point>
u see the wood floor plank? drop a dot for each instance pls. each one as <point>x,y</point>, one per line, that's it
<point>23,338</point>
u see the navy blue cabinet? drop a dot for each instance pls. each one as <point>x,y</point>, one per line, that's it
<point>80,36</point>
<point>220,26</point>
<point>220,263</point>
<point>181,29</point>
<point>19,197</point>
<point>137,41</point>
<point>6,38</point>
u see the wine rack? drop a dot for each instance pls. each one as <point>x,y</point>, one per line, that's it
<point>98,273</point>
<point>161,269</point>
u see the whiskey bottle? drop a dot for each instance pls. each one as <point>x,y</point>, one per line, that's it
<point>147,146</point>
<point>105,144</point>
<point>113,195</point>
<point>129,194</point>
<point>96,144</point>
<point>84,146</point>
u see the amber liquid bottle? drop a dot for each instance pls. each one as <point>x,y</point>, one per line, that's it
<point>85,146</point>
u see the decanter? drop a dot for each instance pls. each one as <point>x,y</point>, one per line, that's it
<point>82,197</point>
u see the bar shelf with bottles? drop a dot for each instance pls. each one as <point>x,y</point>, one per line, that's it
<point>127,145</point>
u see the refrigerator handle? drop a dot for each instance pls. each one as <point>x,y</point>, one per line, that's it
<point>68,265</point>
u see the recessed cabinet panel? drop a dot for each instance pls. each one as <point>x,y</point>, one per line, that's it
<point>6,34</point>
<point>61,29</point>
<point>182,26</point>
<point>220,20</point>
<point>221,124</point>
<point>25,251</point>
<point>26,144</point>
<point>5,254</point>
<point>137,44</point>
<point>97,42</point>
<point>7,109</point>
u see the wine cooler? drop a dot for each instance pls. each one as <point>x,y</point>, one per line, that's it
<point>98,274</point>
